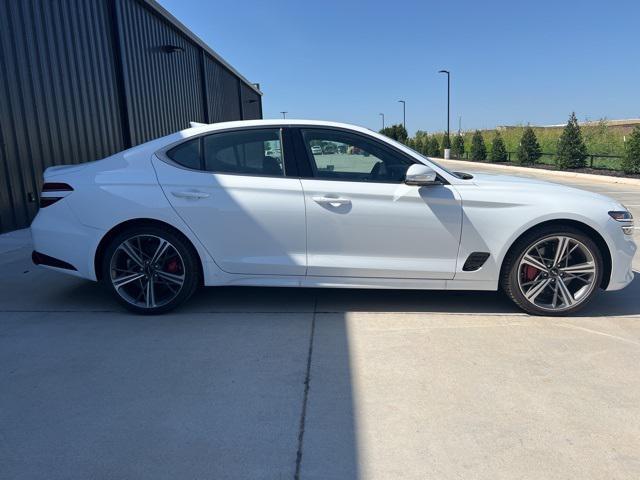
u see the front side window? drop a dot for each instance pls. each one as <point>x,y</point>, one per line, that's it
<point>248,152</point>
<point>340,155</point>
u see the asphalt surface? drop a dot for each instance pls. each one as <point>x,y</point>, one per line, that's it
<point>248,383</point>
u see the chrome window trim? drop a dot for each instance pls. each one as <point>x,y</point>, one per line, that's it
<point>161,154</point>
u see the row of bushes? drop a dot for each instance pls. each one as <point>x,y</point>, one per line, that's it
<point>569,145</point>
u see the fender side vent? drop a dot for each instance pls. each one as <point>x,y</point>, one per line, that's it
<point>475,261</point>
<point>41,259</point>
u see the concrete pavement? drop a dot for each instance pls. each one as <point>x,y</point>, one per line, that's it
<point>329,384</point>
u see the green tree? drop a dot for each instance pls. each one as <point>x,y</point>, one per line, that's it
<point>421,134</point>
<point>478,148</point>
<point>631,162</point>
<point>424,145</point>
<point>572,152</point>
<point>396,132</point>
<point>529,150</point>
<point>498,149</point>
<point>434,147</point>
<point>446,142</point>
<point>457,149</point>
<point>422,141</point>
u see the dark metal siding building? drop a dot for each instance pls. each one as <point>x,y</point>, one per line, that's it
<point>82,79</point>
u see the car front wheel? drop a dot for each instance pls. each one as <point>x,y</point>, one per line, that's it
<point>150,270</point>
<point>553,271</point>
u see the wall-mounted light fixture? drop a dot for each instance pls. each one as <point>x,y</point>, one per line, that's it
<point>172,48</point>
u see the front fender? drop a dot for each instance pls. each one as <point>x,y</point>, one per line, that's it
<point>494,227</point>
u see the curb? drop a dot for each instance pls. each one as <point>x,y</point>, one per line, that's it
<point>552,173</point>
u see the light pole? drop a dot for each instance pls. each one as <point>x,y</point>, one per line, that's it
<point>284,114</point>
<point>448,98</point>
<point>382,115</point>
<point>404,113</point>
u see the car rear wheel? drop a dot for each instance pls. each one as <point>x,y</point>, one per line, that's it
<point>553,271</point>
<point>150,270</point>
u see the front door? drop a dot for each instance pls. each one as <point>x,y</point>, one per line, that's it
<point>363,221</point>
<point>230,188</point>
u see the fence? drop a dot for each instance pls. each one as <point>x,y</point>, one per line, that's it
<point>597,160</point>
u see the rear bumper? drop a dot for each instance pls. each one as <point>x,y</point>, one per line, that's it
<point>39,258</point>
<point>60,241</point>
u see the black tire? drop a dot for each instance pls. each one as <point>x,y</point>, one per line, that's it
<point>181,255</point>
<point>509,280</point>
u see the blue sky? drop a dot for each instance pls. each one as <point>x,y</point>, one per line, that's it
<point>511,61</point>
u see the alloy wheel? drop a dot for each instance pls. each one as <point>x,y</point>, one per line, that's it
<point>557,273</point>
<point>147,271</point>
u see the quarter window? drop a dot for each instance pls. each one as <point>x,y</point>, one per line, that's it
<point>341,155</point>
<point>187,154</point>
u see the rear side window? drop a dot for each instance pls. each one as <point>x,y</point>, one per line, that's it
<point>248,152</point>
<point>187,154</point>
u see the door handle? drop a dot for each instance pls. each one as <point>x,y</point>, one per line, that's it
<point>190,194</point>
<point>333,201</point>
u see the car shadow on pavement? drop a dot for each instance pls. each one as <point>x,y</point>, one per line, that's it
<point>27,288</point>
<point>625,302</point>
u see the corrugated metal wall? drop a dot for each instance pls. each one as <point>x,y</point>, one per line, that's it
<point>82,79</point>
<point>163,88</point>
<point>57,95</point>
<point>251,106</point>
<point>224,92</point>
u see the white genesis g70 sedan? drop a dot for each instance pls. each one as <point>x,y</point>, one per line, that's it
<point>296,203</point>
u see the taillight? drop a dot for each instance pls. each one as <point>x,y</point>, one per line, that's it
<point>52,192</point>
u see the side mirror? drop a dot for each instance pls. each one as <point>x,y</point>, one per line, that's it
<point>420,175</point>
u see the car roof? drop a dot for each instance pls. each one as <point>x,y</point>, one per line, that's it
<point>150,147</point>
<point>199,129</point>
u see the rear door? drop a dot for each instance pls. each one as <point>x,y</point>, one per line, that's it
<point>364,221</point>
<point>230,188</point>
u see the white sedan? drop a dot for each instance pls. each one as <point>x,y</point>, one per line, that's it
<point>211,205</point>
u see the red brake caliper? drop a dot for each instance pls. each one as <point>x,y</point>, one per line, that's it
<point>172,266</point>
<point>530,272</point>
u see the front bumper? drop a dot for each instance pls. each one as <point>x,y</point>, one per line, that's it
<point>622,248</point>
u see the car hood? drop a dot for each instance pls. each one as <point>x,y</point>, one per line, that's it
<point>523,186</point>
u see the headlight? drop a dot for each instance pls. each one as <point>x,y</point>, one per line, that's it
<point>621,215</point>
<point>624,216</point>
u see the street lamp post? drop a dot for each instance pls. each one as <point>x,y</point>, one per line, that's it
<point>382,115</point>
<point>448,98</point>
<point>404,113</point>
<point>284,114</point>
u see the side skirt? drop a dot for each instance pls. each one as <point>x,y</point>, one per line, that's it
<point>351,282</point>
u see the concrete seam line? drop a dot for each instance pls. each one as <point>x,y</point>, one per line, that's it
<point>596,332</point>
<point>305,398</point>
<point>553,173</point>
